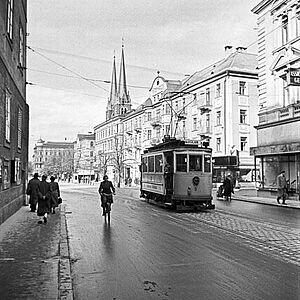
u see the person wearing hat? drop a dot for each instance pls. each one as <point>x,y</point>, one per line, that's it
<point>281,187</point>
<point>44,200</point>
<point>55,194</point>
<point>33,191</point>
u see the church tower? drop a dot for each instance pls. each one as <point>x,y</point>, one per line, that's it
<point>119,101</point>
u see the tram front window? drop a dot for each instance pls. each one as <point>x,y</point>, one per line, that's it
<point>181,162</point>
<point>195,163</point>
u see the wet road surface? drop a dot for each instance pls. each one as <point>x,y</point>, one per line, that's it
<point>151,253</point>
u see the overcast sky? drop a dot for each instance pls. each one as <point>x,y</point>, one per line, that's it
<point>73,40</point>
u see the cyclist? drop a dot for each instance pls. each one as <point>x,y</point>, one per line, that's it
<point>106,190</point>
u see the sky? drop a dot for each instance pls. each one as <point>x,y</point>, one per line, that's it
<point>72,44</point>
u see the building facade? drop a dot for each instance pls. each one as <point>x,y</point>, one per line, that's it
<point>54,158</point>
<point>84,159</point>
<point>14,110</point>
<point>278,143</point>
<point>217,105</point>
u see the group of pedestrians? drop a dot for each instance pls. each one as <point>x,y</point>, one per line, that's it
<point>44,196</point>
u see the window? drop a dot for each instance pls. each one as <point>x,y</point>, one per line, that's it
<point>218,90</point>
<point>284,29</point>
<point>218,144</point>
<point>176,105</point>
<point>194,123</point>
<point>151,164</point>
<point>148,116</point>
<point>168,109</point>
<point>9,23</point>
<point>183,105</point>
<point>158,163</point>
<point>218,118</point>
<point>149,134</point>
<point>20,121</point>
<point>207,163</point>
<point>7,116</point>
<point>207,96</point>
<point>167,130</point>
<point>181,162</point>
<point>207,123</point>
<point>243,144</point>
<point>195,163</point>
<point>242,87</point>
<point>21,47</point>
<point>195,99</point>
<point>243,116</point>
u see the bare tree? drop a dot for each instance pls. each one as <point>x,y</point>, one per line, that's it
<point>103,160</point>
<point>118,158</point>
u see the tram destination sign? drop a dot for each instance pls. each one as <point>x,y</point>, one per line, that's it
<point>294,77</point>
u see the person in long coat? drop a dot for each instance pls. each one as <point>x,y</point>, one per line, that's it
<point>281,187</point>
<point>55,194</point>
<point>227,187</point>
<point>44,200</point>
<point>33,191</point>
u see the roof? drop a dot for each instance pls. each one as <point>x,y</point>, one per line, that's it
<point>238,61</point>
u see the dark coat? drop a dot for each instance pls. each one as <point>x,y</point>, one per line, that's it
<point>228,187</point>
<point>44,199</point>
<point>55,193</point>
<point>33,190</point>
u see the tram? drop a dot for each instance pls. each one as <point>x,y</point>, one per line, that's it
<point>177,174</point>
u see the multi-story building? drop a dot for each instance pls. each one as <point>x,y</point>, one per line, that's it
<point>53,158</point>
<point>14,110</point>
<point>278,144</point>
<point>84,158</point>
<point>217,104</point>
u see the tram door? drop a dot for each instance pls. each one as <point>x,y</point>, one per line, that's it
<point>168,172</point>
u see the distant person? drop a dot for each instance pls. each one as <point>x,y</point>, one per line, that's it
<point>281,187</point>
<point>33,191</point>
<point>55,194</point>
<point>227,187</point>
<point>106,189</point>
<point>44,202</point>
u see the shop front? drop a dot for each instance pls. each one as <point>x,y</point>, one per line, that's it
<point>270,161</point>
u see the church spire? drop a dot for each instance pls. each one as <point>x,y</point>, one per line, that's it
<point>112,100</point>
<point>122,88</point>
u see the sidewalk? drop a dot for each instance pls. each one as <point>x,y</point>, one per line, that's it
<point>250,196</point>
<point>34,258</point>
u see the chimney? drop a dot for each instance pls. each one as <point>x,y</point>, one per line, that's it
<point>241,49</point>
<point>228,49</point>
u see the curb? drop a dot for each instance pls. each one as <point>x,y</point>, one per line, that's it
<point>265,203</point>
<point>65,286</point>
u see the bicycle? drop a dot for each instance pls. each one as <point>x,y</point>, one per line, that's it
<point>107,200</point>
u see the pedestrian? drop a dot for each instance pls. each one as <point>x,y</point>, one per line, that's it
<point>227,187</point>
<point>44,200</point>
<point>281,187</point>
<point>55,194</point>
<point>106,189</point>
<point>33,191</point>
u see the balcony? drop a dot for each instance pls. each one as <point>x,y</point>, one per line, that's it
<point>138,128</point>
<point>128,130</point>
<point>204,130</point>
<point>279,114</point>
<point>155,141</point>
<point>156,122</point>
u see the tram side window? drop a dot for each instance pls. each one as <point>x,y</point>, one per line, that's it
<point>158,163</point>
<point>181,162</point>
<point>144,165</point>
<point>150,163</point>
<point>195,163</point>
<point>207,163</point>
